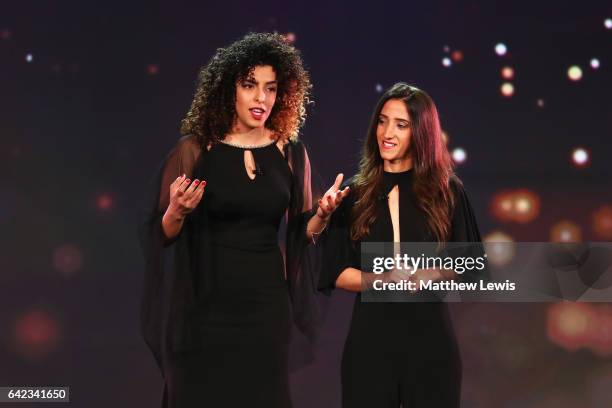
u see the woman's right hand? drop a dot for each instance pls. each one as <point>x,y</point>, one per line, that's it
<point>184,196</point>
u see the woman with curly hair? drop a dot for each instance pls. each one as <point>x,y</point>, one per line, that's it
<point>399,353</point>
<point>222,193</point>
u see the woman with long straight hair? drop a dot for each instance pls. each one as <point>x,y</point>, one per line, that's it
<point>405,191</point>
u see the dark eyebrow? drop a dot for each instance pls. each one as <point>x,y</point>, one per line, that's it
<point>253,81</point>
<point>398,119</point>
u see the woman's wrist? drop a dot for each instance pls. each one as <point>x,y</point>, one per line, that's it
<point>173,214</point>
<point>323,217</point>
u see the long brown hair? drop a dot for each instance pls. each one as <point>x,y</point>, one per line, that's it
<point>433,167</point>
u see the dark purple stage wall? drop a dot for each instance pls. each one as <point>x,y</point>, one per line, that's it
<point>91,100</point>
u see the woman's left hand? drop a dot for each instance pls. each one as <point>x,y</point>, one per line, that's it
<point>421,276</point>
<point>332,198</point>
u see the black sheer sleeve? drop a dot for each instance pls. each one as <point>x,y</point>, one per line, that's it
<point>170,264</point>
<point>302,256</point>
<point>338,250</point>
<point>464,229</point>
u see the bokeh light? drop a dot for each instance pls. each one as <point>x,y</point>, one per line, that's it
<point>569,324</point>
<point>152,69</point>
<point>594,63</point>
<point>36,334</point>
<point>565,231</point>
<point>446,62</point>
<point>507,72</point>
<point>507,89</point>
<point>501,49</point>
<point>104,202</point>
<point>446,48</point>
<point>457,56</point>
<point>574,73</point>
<point>608,23</point>
<point>5,34</point>
<point>379,88</point>
<point>290,37</point>
<point>29,57</point>
<point>67,259</point>
<point>602,222</point>
<point>459,155</point>
<point>580,157</point>
<point>520,206</point>
<point>526,206</point>
<point>540,103</point>
<point>499,247</point>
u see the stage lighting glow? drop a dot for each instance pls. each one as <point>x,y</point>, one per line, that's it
<point>565,231</point>
<point>507,89</point>
<point>457,56</point>
<point>499,248</point>
<point>540,103</point>
<point>580,157</point>
<point>520,206</point>
<point>574,73</point>
<point>152,69</point>
<point>29,57</point>
<point>608,23</point>
<point>290,37</point>
<point>602,222</point>
<point>36,334</point>
<point>594,63</point>
<point>446,48</point>
<point>67,259</point>
<point>447,62</point>
<point>501,49</point>
<point>104,202</point>
<point>507,73</point>
<point>569,324</point>
<point>379,88</point>
<point>459,155</point>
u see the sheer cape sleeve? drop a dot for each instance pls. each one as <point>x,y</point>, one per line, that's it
<point>338,250</point>
<point>172,284</point>
<point>178,278</point>
<point>303,257</point>
<point>464,229</point>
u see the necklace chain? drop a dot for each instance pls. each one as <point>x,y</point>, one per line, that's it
<point>242,146</point>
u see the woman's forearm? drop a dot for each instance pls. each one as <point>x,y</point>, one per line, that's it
<point>172,224</point>
<point>354,280</point>
<point>315,226</point>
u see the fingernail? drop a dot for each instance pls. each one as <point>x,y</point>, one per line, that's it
<point>203,183</point>
<point>196,182</point>
<point>188,181</point>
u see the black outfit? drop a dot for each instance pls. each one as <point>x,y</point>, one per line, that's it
<point>225,342</point>
<point>397,352</point>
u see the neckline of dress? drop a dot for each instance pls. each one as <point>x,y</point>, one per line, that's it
<point>399,173</point>
<point>241,146</point>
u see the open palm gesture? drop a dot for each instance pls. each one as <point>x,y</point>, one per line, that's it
<point>332,198</point>
<point>185,195</point>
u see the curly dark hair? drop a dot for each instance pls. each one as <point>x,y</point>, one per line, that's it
<point>213,108</point>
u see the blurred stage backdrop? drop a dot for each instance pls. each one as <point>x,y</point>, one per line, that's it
<point>91,96</point>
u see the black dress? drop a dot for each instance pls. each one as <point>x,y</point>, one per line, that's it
<point>226,337</point>
<point>397,353</point>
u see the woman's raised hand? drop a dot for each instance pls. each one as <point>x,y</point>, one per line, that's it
<point>332,198</point>
<point>185,195</point>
